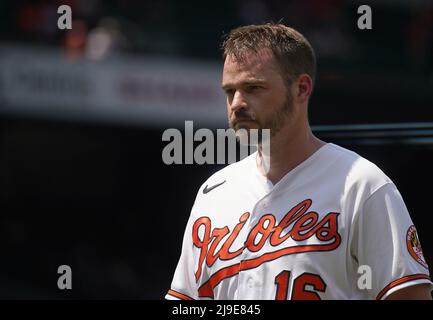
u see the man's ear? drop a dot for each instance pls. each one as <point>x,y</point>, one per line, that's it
<point>303,87</point>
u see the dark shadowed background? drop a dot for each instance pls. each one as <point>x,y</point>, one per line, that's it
<point>82,113</point>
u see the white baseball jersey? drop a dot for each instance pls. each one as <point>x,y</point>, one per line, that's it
<point>334,227</point>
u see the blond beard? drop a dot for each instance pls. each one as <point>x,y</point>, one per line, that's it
<point>275,124</point>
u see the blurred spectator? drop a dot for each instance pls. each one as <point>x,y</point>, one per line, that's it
<point>169,27</point>
<point>105,39</point>
<point>75,39</point>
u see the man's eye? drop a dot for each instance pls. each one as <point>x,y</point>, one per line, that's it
<point>252,88</point>
<point>229,92</point>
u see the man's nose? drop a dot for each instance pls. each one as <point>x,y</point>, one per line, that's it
<point>238,102</point>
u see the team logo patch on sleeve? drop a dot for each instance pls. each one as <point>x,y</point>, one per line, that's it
<point>414,246</point>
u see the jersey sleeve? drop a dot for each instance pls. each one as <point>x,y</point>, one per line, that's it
<point>385,240</point>
<point>183,285</point>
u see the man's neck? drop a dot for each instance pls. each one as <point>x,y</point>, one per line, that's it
<point>286,154</point>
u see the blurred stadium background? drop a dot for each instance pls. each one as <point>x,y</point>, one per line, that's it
<point>82,113</point>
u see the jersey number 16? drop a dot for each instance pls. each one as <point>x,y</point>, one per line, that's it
<point>299,291</point>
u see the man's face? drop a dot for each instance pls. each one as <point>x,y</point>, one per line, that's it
<point>257,95</point>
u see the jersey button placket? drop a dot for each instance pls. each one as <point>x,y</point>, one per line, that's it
<point>246,282</point>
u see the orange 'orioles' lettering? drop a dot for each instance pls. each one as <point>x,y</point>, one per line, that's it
<point>218,235</point>
<point>304,226</point>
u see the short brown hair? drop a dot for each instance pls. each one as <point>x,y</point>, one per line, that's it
<point>291,49</point>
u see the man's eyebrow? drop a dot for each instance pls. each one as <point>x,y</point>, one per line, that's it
<point>243,83</point>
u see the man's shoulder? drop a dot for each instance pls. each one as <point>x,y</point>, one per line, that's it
<point>359,172</point>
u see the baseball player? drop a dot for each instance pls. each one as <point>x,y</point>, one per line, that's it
<point>304,228</point>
